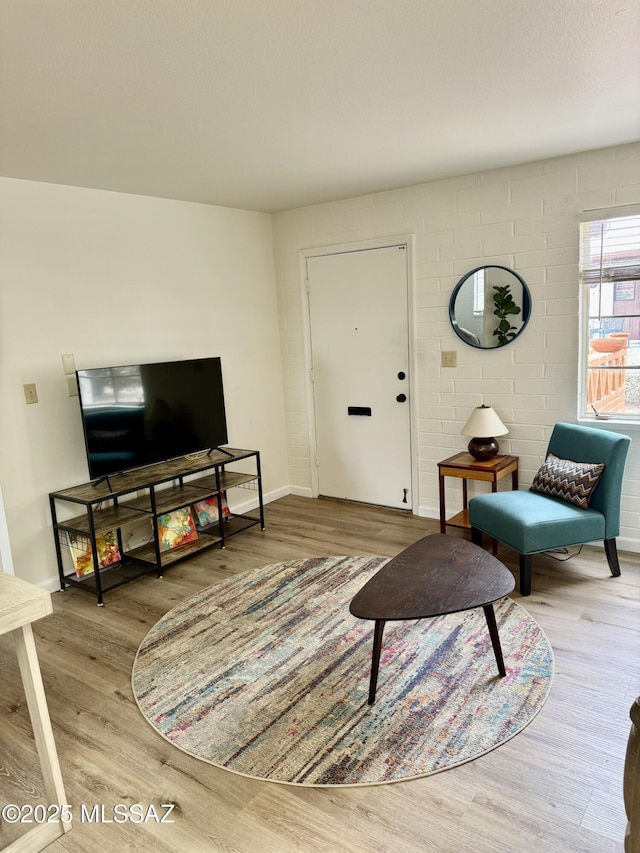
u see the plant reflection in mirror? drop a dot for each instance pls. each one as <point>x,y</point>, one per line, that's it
<point>503,300</point>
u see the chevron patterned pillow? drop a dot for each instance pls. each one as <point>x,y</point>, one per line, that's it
<point>569,481</point>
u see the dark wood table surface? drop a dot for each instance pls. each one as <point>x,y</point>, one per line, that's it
<point>435,576</point>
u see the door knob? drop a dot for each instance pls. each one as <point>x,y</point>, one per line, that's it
<point>401,398</point>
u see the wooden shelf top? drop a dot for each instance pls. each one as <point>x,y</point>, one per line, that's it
<point>465,461</point>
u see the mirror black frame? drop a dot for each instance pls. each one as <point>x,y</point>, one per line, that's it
<point>526,305</point>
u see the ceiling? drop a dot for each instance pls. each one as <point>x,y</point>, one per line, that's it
<point>275,104</point>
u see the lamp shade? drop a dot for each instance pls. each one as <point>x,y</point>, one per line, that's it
<point>482,426</point>
<point>484,422</point>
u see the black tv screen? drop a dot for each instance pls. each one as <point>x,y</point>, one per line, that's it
<point>139,414</point>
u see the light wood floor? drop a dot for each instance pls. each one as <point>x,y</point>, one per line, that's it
<point>555,787</point>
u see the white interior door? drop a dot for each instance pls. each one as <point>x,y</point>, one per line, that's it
<point>358,308</point>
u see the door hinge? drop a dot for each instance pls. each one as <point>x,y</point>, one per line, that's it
<point>307,286</point>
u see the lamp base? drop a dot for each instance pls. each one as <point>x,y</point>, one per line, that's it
<point>483,448</point>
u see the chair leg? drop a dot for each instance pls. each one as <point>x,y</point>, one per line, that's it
<point>611,551</point>
<point>476,536</point>
<point>525,574</point>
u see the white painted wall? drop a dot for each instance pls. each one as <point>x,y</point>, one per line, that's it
<point>116,279</point>
<point>524,218</point>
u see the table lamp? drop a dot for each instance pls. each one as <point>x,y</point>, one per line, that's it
<point>482,426</point>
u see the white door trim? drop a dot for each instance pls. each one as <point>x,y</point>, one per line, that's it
<point>406,240</point>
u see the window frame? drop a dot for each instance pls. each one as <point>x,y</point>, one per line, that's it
<point>605,273</point>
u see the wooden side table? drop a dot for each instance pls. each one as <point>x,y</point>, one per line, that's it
<point>465,467</point>
<point>21,603</point>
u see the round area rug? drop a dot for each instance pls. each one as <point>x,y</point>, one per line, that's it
<point>267,675</point>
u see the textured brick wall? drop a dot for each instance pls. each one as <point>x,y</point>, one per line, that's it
<point>525,218</point>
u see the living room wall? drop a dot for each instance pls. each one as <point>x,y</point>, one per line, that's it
<point>120,279</point>
<point>524,218</point>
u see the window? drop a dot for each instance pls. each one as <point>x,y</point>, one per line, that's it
<point>610,299</point>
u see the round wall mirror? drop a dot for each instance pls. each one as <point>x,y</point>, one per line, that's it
<point>489,307</point>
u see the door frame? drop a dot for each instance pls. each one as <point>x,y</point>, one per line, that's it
<point>406,240</point>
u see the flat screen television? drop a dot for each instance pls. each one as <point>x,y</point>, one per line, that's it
<point>139,414</point>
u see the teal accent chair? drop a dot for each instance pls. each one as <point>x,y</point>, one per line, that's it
<point>530,522</point>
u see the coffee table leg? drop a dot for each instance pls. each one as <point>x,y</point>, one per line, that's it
<point>375,659</point>
<point>495,638</point>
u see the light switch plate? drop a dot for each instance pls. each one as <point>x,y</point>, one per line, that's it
<point>30,393</point>
<point>68,363</point>
<point>72,386</point>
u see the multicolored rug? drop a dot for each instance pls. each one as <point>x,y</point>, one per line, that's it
<point>267,674</point>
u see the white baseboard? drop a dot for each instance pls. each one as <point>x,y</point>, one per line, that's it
<point>428,512</point>
<point>300,491</point>
<point>51,584</point>
<point>250,500</point>
<point>625,543</point>
<point>274,494</point>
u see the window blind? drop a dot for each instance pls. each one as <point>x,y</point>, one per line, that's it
<point>610,250</point>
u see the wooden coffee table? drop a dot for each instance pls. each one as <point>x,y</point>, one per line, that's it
<point>435,576</point>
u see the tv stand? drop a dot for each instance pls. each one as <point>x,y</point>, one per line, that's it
<point>135,504</point>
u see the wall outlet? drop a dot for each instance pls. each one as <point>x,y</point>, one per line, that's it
<point>449,358</point>
<point>68,364</point>
<point>72,386</point>
<point>30,393</point>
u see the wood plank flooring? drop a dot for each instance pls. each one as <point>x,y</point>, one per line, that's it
<point>557,786</point>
